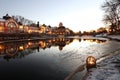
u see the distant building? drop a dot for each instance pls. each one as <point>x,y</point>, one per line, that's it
<point>61,29</point>
<point>32,29</point>
<point>8,25</point>
<point>42,29</point>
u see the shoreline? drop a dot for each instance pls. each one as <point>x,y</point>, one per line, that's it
<point>107,68</point>
<point>114,37</point>
<point>89,75</point>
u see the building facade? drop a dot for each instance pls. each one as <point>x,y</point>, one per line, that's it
<point>9,26</point>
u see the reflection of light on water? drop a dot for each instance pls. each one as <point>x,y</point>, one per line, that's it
<point>21,48</point>
<point>49,41</point>
<point>42,44</point>
<point>1,47</point>
<point>86,43</point>
<point>67,42</point>
<point>76,44</point>
<point>29,43</point>
<point>72,55</point>
<point>75,53</point>
<point>71,46</point>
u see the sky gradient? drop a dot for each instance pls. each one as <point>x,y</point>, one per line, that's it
<point>78,15</point>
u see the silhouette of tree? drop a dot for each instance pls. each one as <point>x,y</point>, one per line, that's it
<point>112,14</point>
<point>44,25</point>
<point>22,20</point>
<point>6,17</point>
<point>80,33</point>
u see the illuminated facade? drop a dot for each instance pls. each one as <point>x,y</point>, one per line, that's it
<point>61,29</point>
<point>8,26</point>
<point>42,29</point>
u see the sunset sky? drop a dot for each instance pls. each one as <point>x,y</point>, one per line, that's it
<point>78,15</point>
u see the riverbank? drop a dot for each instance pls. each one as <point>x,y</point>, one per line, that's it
<point>109,68</point>
<point>114,37</point>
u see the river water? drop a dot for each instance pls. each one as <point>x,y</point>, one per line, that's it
<point>50,59</point>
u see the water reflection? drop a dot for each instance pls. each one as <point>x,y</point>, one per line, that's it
<point>94,40</point>
<point>12,49</point>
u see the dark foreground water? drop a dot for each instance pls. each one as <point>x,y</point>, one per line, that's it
<point>49,59</point>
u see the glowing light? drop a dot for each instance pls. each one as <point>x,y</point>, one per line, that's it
<point>1,47</point>
<point>29,43</point>
<point>21,48</point>
<point>29,31</point>
<point>1,28</point>
<point>42,44</point>
<point>21,27</point>
<point>90,62</point>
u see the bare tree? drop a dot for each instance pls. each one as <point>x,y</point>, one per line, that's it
<point>112,14</point>
<point>22,20</point>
